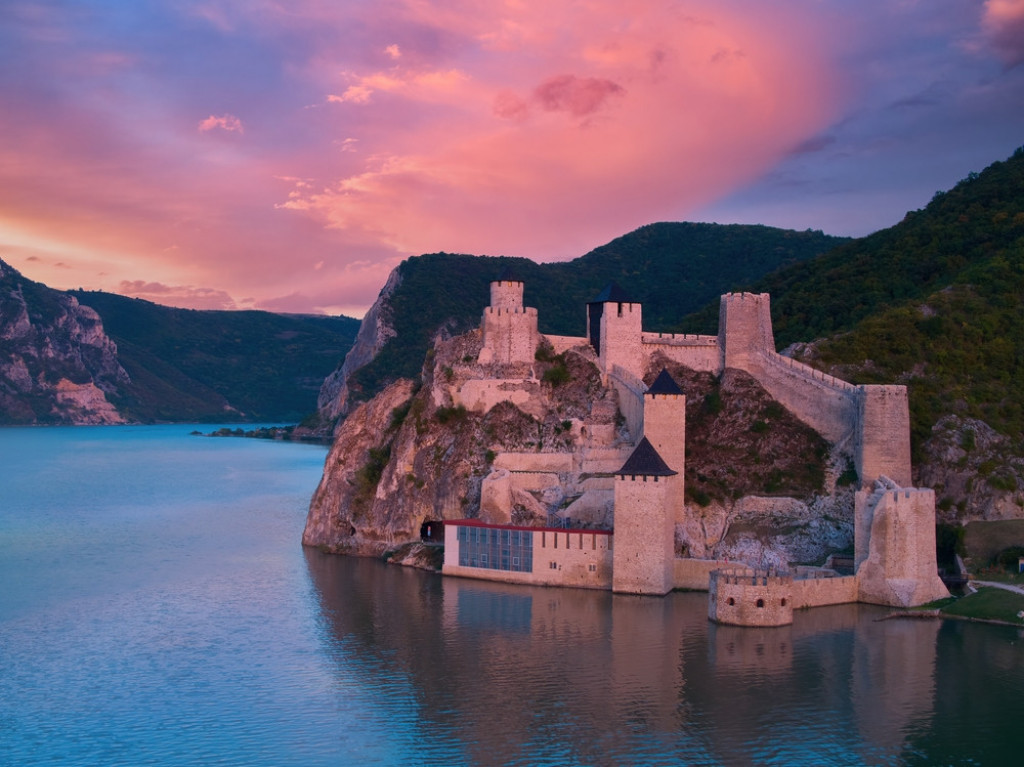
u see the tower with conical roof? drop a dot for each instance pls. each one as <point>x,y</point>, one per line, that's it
<point>665,429</point>
<point>509,329</point>
<point>614,330</point>
<point>644,548</point>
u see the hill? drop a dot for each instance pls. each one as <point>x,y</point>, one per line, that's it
<point>672,268</point>
<point>933,302</point>
<point>83,357</point>
<point>191,365</point>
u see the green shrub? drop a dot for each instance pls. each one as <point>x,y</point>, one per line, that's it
<point>447,415</point>
<point>556,375</point>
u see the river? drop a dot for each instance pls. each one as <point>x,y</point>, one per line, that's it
<point>156,608</point>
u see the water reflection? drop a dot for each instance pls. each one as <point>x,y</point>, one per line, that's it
<point>498,674</point>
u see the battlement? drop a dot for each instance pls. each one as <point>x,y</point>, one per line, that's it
<point>742,596</point>
<point>501,311</point>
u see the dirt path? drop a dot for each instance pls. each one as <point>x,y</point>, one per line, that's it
<point>997,585</point>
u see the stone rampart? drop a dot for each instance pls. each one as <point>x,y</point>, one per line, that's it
<point>631,398</point>
<point>695,574</point>
<point>563,343</point>
<point>693,351</point>
<point>744,597</point>
<point>545,463</point>
<point>481,394</point>
<point>817,592</point>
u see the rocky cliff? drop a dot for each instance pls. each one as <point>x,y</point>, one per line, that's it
<point>761,486</point>
<point>57,366</point>
<point>334,401</point>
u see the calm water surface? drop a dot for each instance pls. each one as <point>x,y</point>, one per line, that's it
<point>156,608</point>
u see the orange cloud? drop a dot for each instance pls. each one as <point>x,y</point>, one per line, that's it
<point>1003,20</point>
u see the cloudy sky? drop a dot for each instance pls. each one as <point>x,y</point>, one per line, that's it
<point>287,154</point>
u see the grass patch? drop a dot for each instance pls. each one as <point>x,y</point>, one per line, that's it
<point>988,604</point>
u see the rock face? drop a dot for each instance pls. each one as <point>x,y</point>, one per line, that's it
<point>975,472</point>
<point>57,366</point>
<point>374,332</point>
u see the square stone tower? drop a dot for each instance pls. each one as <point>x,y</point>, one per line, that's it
<point>509,329</point>
<point>644,543</point>
<point>665,429</point>
<point>614,330</point>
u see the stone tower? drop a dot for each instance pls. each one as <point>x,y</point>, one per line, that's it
<point>614,330</point>
<point>744,330</point>
<point>509,329</point>
<point>665,429</point>
<point>644,549</point>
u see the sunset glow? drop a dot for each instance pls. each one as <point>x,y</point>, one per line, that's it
<point>252,154</point>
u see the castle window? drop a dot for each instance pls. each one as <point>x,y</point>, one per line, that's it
<point>760,603</point>
<point>730,601</point>
<point>783,601</point>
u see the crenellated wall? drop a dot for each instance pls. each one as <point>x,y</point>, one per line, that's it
<point>695,351</point>
<point>740,596</point>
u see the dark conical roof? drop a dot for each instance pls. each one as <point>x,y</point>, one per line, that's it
<point>645,460</point>
<point>612,293</point>
<point>664,384</point>
<point>508,275</point>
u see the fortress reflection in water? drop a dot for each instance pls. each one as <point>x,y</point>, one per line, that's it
<point>591,677</point>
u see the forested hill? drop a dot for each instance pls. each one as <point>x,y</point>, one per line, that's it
<point>191,365</point>
<point>672,268</point>
<point>936,302</point>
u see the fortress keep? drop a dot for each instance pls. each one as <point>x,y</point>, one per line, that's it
<point>643,479</point>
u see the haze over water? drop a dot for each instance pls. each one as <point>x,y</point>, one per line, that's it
<point>156,608</point>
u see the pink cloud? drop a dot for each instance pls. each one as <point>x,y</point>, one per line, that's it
<point>579,96</point>
<point>177,295</point>
<point>228,123</point>
<point>1003,20</point>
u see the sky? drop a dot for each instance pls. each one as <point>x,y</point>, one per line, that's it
<point>286,155</point>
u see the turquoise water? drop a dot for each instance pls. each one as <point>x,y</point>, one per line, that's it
<point>156,608</point>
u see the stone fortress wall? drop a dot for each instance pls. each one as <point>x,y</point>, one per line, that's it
<point>894,523</point>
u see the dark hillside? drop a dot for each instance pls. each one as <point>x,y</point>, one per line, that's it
<point>936,302</point>
<point>217,365</point>
<point>672,268</point>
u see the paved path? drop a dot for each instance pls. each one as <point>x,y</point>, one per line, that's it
<point>997,585</point>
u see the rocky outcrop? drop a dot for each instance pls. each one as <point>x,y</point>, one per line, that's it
<point>975,471</point>
<point>546,456</point>
<point>376,328</point>
<point>57,366</point>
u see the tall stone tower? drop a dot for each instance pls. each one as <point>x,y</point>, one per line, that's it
<point>509,329</point>
<point>644,546</point>
<point>614,330</point>
<point>665,429</point>
<point>744,330</point>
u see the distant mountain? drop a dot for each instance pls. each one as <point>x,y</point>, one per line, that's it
<point>672,268</point>
<point>56,363</point>
<point>84,357</point>
<point>187,364</point>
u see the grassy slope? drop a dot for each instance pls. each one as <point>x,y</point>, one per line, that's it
<point>190,365</point>
<point>672,268</point>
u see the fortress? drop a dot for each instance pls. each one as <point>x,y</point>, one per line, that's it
<point>642,479</point>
